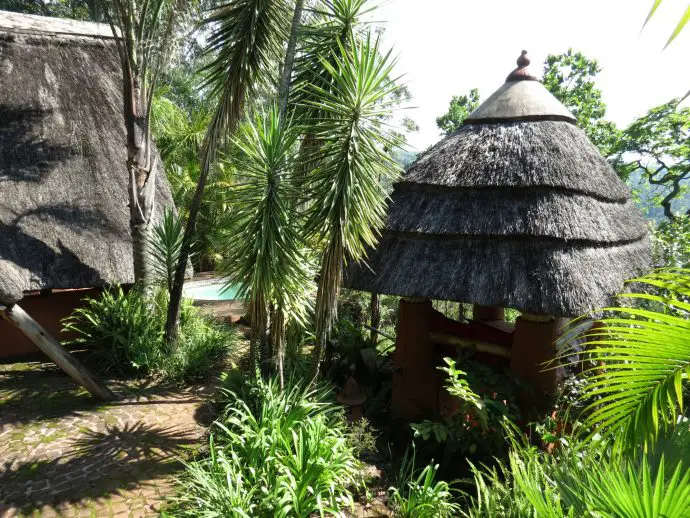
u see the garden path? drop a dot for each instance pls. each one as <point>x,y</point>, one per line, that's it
<point>64,454</point>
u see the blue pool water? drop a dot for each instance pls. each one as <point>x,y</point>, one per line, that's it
<point>210,291</point>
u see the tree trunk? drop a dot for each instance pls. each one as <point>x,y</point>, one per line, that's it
<point>52,348</point>
<point>286,74</point>
<point>375,321</point>
<point>142,179</point>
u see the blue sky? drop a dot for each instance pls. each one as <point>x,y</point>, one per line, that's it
<point>447,47</point>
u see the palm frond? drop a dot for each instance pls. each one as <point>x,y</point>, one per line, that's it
<point>638,359</point>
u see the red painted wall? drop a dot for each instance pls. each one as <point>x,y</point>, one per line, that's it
<point>48,310</point>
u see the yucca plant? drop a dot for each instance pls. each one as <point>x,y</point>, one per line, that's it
<point>246,41</point>
<point>637,360</point>
<point>265,252</point>
<point>347,199</point>
<point>165,243</point>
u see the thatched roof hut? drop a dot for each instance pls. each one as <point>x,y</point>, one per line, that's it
<point>516,209</point>
<point>64,219</point>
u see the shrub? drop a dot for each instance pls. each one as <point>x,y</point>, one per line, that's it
<point>274,454</point>
<point>420,494</point>
<point>124,335</point>
<point>581,480</point>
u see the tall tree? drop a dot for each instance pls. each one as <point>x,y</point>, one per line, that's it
<point>459,109</point>
<point>247,38</point>
<point>570,77</point>
<point>145,33</point>
<point>658,145</point>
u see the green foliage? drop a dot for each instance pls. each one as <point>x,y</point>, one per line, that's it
<point>265,254</point>
<point>419,494</point>
<point>638,361</point>
<point>75,9</point>
<point>672,243</point>
<point>459,109</point>
<point>124,335</point>
<point>165,244</point>
<point>274,454</point>
<point>658,145</point>
<point>570,78</point>
<point>362,437</point>
<point>348,203</point>
<point>576,481</point>
<point>484,400</point>
<point>685,18</point>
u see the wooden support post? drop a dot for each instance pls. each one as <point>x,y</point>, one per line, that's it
<point>487,313</point>
<point>533,346</point>
<point>415,379</point>
<point>52,348</point>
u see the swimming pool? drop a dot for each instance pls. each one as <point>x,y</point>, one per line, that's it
<point>212,289</point>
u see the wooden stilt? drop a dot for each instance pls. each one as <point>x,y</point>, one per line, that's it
<point>52,348</point>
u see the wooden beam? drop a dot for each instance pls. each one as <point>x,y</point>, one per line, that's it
<point>466,343</point>
<point>52,348</point>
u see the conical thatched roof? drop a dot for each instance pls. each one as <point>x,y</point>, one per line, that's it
<point>64,219</point>
<point>516,209</point>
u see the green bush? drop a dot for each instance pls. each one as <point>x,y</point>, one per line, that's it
<point>124,335</point>
<point>582,479</point>
<point>421,494</point>
<point>273,454</point>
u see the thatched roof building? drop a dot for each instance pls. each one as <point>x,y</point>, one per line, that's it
<point>516,209</point>
<point>64,219</point>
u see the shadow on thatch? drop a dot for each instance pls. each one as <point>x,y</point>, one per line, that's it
<point>26,157</point>
<point>102,464</point>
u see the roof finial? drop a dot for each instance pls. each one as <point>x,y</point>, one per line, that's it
<point>521,73</point>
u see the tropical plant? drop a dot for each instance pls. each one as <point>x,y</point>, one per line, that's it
<point>347,200</point>
<point>165,243</point>
<point>145,32</point>
<point>419,494</point>
<point>123,333</point>
<point>482,399</point>
<point>577,480</point>
<point>274,453</point>
<point>246,41</point>
<point>685,18</point>
<point>637,360</point>
<point>266,252</point>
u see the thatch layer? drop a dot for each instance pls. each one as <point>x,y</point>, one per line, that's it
<point>553,154</point>
<point>536,276</point>
<point>521,214</point>
<point>530,212</point>
<point>64,217</point>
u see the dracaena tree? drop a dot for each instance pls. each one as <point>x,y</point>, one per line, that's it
<point>146,32</point>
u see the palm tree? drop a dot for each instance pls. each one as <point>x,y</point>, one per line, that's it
<point>247,39</point>
<point>638,362</point>
<point>145,32</point>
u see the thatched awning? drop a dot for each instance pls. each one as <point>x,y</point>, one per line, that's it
<point>64,219</point>
<point>516,209</point>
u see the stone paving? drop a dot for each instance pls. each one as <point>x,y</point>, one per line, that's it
<point>63,454</point>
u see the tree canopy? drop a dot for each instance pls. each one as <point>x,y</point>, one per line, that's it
<point>459,109</point>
